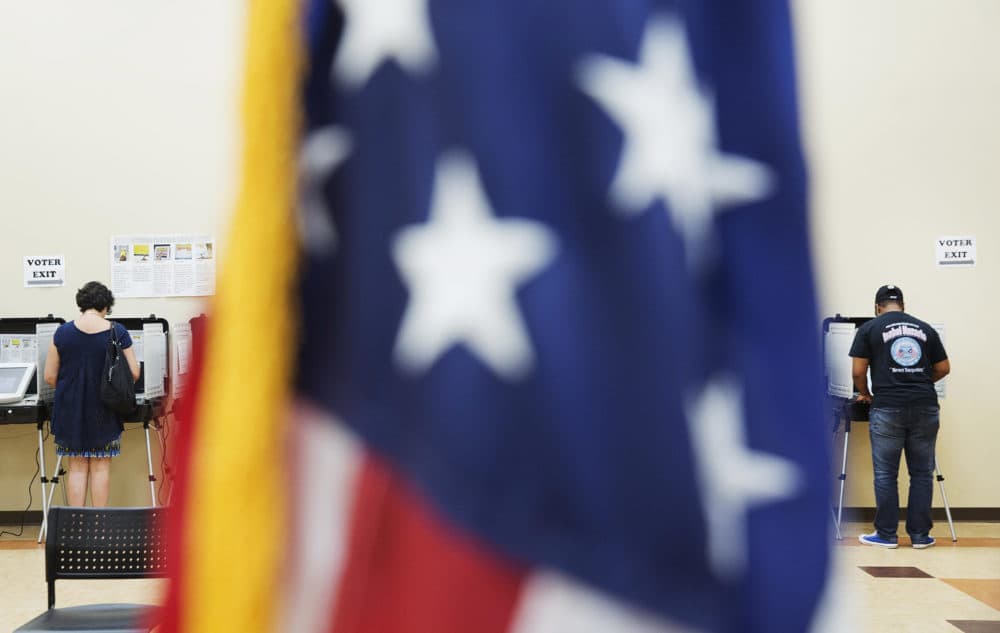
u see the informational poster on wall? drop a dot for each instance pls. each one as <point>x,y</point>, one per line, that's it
<point>163,265</point>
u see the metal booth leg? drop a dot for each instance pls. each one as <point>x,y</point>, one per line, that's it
<point>47,500</point>
<point>944,498</point>
<point>843,474</point>
<point>56,474</point>
<point>149,463</point>
<point>44,481</point>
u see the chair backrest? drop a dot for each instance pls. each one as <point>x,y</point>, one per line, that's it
<point>104,543</point>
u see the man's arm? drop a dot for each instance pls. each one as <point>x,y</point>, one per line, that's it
<point>940,369</point>
<point>859,370</point>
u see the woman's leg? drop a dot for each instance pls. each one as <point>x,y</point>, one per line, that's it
<point>100,477</point>
<point>76,480</point>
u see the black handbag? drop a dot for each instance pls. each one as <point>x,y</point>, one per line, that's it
<point>117,385</point>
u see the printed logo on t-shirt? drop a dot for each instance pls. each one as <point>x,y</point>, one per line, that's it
<point>906,351</point>
<point>902,329</point>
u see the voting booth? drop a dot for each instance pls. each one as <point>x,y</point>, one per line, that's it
<point>149,344</point>
<point>24,344</point>
<point>838,336</point>
<point>25,398</point>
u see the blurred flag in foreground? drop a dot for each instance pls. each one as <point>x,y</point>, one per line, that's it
<point>545,359</point>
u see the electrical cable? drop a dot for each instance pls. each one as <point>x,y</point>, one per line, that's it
<point>24,514</point>
<point>164,437</point>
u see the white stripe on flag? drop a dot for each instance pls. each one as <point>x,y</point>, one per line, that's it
<point>551,603</point>
<point>325,464</point>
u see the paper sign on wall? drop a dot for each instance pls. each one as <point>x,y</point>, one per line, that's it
<point>953,250</point>
<point>162,265</point>
<point>44,271</point>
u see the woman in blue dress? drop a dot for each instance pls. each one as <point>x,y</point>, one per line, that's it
<point>87,433</point>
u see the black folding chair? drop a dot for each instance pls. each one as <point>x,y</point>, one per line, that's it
<point>101,543</point>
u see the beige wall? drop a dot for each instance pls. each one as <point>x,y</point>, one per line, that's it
<point>119,117</point>
<point>115,118</point>
<point>901,107</point>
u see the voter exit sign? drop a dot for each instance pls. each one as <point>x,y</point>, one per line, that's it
<point>955,251</point>
<point>44,271</point>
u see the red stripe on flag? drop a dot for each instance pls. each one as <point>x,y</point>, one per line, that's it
<point>408,571</point>
<point>182,442</point>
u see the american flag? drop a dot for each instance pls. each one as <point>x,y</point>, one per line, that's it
<point>559,364</point>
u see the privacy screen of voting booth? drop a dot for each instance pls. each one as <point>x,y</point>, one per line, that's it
<point>149,343</point>
<point>838,336</point>
<point>24,344</point>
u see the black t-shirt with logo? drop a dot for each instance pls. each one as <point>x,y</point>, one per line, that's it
<point>901,350</point>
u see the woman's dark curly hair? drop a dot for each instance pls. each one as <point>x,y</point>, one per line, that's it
<point>94,295</point>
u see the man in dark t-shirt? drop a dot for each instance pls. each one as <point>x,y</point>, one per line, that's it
<point>906,358</point>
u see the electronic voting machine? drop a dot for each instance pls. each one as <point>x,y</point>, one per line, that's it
<point>24,344</point>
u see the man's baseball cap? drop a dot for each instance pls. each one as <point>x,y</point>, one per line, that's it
<point>888,293</point>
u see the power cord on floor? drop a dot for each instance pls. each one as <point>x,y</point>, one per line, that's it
<point>165,470</point>
<point>24,515</point>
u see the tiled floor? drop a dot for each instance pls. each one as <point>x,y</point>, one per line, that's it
<point>948,588</point>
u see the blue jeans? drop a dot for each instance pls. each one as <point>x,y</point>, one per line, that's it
<point>892,431</point>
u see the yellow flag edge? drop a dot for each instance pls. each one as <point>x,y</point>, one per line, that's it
<point>236,524</point>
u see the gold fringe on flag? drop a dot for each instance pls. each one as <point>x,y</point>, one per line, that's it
<point>237,525</point>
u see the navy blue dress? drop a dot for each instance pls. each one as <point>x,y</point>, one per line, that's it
<point>83,426</point>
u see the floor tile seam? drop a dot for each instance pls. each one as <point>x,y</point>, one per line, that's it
<point>971,595</point>
<point>929,574</point>
<point>939,545</point>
